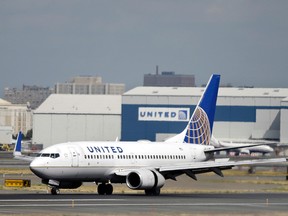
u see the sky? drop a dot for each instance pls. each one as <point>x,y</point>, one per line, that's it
<point>43,42</point>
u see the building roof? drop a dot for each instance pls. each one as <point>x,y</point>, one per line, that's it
<point>80,104</point>
<point>197,91</point>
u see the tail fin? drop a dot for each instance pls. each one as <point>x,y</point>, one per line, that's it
<point>18,147</point>
<point>17,150</point>
<point>200,126</point>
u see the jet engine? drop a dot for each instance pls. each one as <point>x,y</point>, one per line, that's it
<point>144,179</point>
<point>245,151</point>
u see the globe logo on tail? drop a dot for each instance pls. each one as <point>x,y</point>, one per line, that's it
<point>198,131</point>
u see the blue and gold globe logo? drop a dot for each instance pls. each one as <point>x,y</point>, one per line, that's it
<point>182,115</point>
<point>198,131</point>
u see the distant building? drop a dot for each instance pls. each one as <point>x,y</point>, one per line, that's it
<point>169,79</point>
<point>15,116</point>
<point>241,113</point>
<point>5,135</point>
<point>89,85</point>
<point>31,95</point>
<point>64,118</point>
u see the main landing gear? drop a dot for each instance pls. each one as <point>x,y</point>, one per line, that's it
<point>153,192</point>
<point>54,190</point>
<point>105,189</point>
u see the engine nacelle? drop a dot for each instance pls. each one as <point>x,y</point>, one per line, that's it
<point>144,179</point>
<point>245,151</point>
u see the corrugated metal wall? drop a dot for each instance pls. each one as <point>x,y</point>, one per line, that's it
<point>51,129</point>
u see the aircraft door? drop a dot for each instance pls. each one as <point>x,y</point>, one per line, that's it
<point>74,157</point>
<point>193,153</point>
<point>133,159</point>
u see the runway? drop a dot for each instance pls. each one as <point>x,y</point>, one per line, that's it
<point>236,194</point>
<point>132,204</point>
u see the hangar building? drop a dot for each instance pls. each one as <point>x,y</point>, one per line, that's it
<point>155,113</point>
<point>64,118</point>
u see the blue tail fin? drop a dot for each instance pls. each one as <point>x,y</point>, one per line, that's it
<point>18,143</point>
<point>200,126</point>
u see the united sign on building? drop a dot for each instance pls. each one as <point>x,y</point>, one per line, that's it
<point>156,113</point>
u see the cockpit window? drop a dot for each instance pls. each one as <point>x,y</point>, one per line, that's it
<point>53,155</point>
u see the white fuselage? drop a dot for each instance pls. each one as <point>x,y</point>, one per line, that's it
<point>98,161</point>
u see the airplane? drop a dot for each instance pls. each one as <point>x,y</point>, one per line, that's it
<point>259,148</point>
<point>141,165</point>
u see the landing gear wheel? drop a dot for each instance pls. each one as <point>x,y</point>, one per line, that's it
<point>101,189</point>
<point>153,192</point>
<point>109,189</point>
<point>105,189</point>
<point>54,191</point>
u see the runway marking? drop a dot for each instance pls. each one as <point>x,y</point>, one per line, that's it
<point>75,204</point>
<point>57,200</point>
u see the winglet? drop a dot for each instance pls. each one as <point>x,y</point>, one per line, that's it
<point>18,147</point>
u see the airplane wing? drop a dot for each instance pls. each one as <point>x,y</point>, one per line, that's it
<point>232,147</point>
<point>191,169</point>
<point>17,150</point>
<point>198,167</point>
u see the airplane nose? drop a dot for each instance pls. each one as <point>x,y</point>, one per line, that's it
<point>34,167</point>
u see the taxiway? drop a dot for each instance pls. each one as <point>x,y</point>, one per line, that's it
<point>132,204</point>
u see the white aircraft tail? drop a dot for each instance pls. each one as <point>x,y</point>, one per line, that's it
<point>200,126</point>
